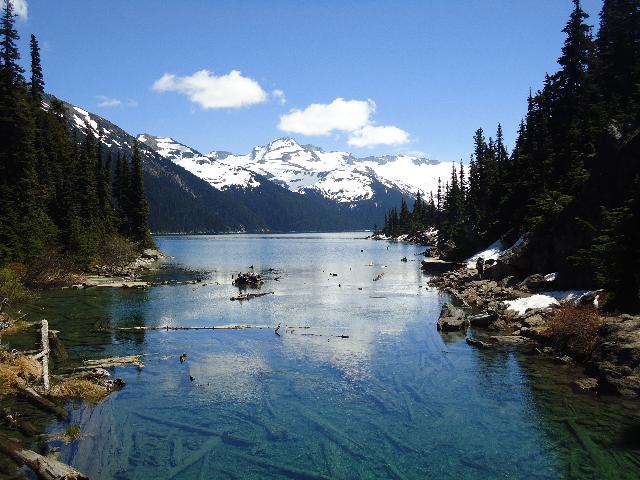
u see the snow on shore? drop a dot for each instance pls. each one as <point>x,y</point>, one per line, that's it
<point>521,305</point>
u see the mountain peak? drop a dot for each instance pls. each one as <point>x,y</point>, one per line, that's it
<point>283,142</point>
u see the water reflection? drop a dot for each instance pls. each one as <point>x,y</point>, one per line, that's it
<point>393,400</point>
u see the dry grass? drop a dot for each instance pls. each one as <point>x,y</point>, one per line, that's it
<point>16,369</point>
<point>14,326</point>
<point>574,330</point>
<point>80,389</point>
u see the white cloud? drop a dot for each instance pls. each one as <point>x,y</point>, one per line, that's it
<point>352,116</point>
<point>279,96</point>
<point>210,91</point>
<point>323,119</point>
<point>20,7</point>
<point>372,135</point>
<point>107,102</point>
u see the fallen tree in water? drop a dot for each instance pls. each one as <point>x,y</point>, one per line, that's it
<point>213,327</point>
<point>249,296</point>
<point>45,467</point>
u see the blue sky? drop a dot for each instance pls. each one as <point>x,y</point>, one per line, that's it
<point>385,76</point>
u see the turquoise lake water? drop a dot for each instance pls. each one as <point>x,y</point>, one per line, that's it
<point>396,399</point>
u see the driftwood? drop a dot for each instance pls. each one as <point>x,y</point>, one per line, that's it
<point>249,296</point>
<point>30,394</point>
<point>46,468</point>
<point>131,360</point>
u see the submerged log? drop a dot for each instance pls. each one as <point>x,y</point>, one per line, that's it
<point>474,342</point>
<point>249,296</point>
<point>16,421</point>
<point>46,468</point>
<point>56,346</point>
<point>30,394</point>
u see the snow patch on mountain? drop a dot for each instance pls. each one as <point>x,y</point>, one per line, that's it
<point>218,174</point>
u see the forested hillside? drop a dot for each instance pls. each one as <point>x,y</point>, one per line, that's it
<point>58,197</point>
<point>571,183</point>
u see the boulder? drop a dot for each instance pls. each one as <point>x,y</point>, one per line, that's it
<point>534,283</point>
<point>452,319</point>
<point>483,320</point>
<point>509,339</point>
<point>509,281</point>
<point>536,320</point>
<point>249,279</point>
<point>151,253</point>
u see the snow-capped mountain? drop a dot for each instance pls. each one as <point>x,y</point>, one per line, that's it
<point>337,176</point>
<point>283,186</point>
<point>220,175</point>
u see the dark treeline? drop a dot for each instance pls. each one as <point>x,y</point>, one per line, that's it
<point>572,181</point>
<point>58,195</point>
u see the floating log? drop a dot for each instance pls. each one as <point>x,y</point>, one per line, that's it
<point>249,296</point>
<point>46,468</point>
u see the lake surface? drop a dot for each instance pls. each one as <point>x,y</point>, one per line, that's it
<point>396,399</point>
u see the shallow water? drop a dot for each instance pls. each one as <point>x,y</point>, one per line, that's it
<point>395,399</point>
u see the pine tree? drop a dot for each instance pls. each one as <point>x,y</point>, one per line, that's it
<point>137,202</point>
<point>37,79</point>
<point>12,72</point>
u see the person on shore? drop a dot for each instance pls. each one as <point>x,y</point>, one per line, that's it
<point>480,267</point>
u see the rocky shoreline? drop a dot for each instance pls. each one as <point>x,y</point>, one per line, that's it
<point>570,330</point>
<point>122,276</point>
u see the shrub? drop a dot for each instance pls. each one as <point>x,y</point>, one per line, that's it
<point>118,251</point>
<point>574,330</point>
<point>12,287</point>
<point>53,269</point>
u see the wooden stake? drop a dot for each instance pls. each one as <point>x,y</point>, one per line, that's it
<point>45,354</point>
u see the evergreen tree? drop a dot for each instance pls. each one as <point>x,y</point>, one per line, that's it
<point>12,72</point>
<point>37,79</point>
<point>137,202</point>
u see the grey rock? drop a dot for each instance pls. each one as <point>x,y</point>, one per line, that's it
<point>586,384</point>
<point>509,339</point>
<point>483,320</point>
<point>452,319</point>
